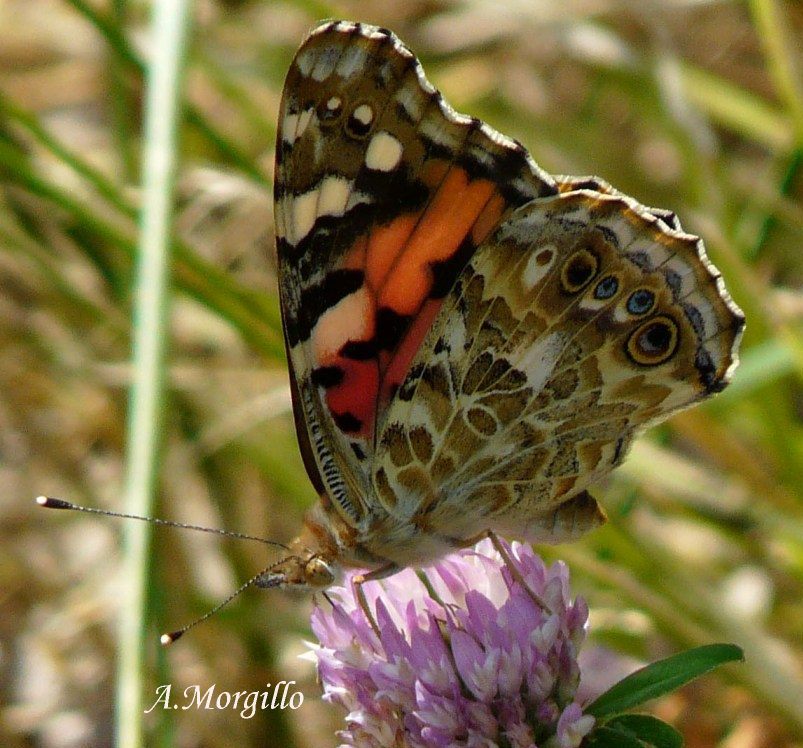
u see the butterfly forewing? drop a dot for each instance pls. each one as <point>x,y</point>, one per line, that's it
<point>383,193</point>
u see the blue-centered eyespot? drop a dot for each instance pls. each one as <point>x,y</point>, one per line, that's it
<point>640,301</point>
<point>606,288</point>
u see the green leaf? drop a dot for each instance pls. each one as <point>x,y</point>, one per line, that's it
<point>647,729</point>
<point>662,677</point>
<point>606,737</point>
<point>634,731</point>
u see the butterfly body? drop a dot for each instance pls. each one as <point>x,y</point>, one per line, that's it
<point>471,341</point>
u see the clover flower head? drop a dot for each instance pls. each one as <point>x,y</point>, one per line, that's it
<point>460,654</point>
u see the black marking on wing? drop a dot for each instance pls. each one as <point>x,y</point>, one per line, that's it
<point>347,422</point>
<point>608,233</point>
<point>327,376</point>
<point>359,350</point>
<point>390,328</point>
<point>708,372</point>
<point>445,272</point>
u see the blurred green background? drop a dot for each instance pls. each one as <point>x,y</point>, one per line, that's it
<point>690,105</point>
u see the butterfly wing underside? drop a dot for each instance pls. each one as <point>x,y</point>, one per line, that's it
<point>382,194</point>
<point>582,319</point>
<point>471,342</point>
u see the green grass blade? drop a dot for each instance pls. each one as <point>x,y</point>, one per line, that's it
<point>772,30</point>
<point>162,109</point>
<point>126,55</point>
<point>738,109</point>
<point>254,314</point>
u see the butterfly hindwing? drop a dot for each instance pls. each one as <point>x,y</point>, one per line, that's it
<point>383,193</point>
<point>583,318</point>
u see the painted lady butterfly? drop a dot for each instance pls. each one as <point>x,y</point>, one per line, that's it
<point>472,342</point>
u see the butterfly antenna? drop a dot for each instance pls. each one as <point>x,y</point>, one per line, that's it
<point>51,503</point>
<point>169,638</point>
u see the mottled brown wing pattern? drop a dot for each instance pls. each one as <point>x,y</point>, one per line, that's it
<point>582,319</point>
<point>472,342</point>
<point>382,195</point>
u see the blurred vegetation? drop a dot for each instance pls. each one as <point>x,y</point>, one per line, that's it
<point>693,106</point>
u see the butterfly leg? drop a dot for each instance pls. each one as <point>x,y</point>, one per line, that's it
<point>514,570</point>
<point>358,581</point>
<point>494,538</point>
<point>388,570</point>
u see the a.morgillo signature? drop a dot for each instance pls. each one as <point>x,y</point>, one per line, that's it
<point>278,696</point>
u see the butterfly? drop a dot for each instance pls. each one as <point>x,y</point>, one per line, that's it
<point>471,341</point>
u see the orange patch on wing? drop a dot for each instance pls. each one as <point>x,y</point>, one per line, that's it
<point>396,258</point>
<point>488,219</point>
<point>387,242</point>
<point>403,356</point>
<point>384,246</point>
<point>448,219</point>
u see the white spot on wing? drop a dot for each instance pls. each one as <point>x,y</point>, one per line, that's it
<point>357,198</point>
<point>303,121</point>
<point>332,196</point>
<point>325,64</point>
<point>411,100</point>
<point>344,27</point>
<point>294,125</point>
<point>363,114</point>
<point>304,214</point>
<point>525,187</point>
<point>540,359</point>
<point>480,154</point>
<point>534,271</point>
<point>440,132</point>
<point>334,192</point>
<point>305,61</point>
<point>683,275</point>
<point>373,32</point>
<point>656,253</point>
<point>590,304</point>
<point>352,61</point>
<point>384,152</point>
<point>289,128</point>
<point>350,319</point>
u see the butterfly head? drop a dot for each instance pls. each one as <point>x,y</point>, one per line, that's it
<point>309,571</point>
